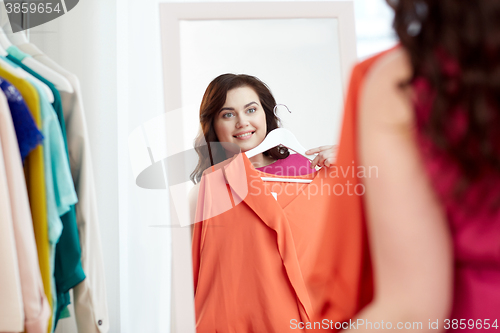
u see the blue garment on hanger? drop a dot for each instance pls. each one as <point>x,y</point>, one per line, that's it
<point>28,135</point>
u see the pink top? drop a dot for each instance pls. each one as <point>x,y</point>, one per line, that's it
<point>293,165</point>
<point>36,309</point>
<point>475,228</point>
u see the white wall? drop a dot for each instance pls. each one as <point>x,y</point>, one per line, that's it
<point>373,26</point>
<point>145,249</point>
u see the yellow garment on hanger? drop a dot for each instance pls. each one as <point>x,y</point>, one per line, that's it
<point>35,181</point>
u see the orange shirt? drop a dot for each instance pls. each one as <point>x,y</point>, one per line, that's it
<point>260,264</point>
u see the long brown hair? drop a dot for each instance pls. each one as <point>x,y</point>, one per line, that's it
<point>454,47</point>
<point>213,101</point>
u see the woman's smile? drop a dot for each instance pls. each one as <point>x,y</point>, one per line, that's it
<point>244,136</point>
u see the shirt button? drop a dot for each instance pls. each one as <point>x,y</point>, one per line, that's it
<point>99,322</point>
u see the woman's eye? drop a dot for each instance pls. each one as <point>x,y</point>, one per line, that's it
<point>252,110</point>
<point>227,115</point>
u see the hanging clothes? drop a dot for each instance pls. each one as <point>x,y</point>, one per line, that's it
<point>259,263</point>
<point>69,271</point>
<point>34,169</point>
<point>27,134</point>
<point>14,59</point>
<point>90,296</point>
<point>11,302</point>
<point>60,193</point>
<point>35,304</point>
<point>54,196</point>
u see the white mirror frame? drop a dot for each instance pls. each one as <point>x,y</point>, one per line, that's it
<point>171,14</point>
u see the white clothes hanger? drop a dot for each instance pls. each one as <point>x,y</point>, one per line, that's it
<point>3,53</point>
<point>17,38</point>
<point>285,180</point>
<point>4,41</point>
<point>280,136</point>
<point>21,73</point>
<point>12,70</point>
<point>59,81</point>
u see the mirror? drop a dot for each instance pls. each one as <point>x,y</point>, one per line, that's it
<point>298,59</point>
<point>303,51</point>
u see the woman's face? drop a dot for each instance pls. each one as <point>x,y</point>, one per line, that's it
<point>242,119</point>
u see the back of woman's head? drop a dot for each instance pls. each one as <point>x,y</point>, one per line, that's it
<point>454,48</point>
<point>212,102</point>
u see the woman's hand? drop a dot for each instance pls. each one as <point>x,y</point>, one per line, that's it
<point>327,155</point>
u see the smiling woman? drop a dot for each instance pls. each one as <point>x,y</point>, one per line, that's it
<point>238,112</point>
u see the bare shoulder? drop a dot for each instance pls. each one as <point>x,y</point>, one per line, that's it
<point>381,92</point>
<point>396,62</point>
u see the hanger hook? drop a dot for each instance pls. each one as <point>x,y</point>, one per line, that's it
<point>274,109</point>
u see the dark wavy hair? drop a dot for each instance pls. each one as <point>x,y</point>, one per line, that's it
<point>213,101</point>
<point>454,47</point>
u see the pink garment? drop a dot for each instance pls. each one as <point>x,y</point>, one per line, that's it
<point>35,304</point>
<point>11,304</point>
<point>293,165</point>
<point>475,227</point>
